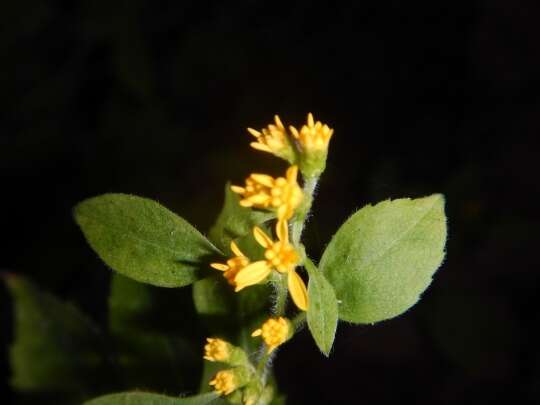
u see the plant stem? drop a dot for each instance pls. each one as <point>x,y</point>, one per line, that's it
<point>280,282</point>
<point>310,184</point>
<point>281,294</point>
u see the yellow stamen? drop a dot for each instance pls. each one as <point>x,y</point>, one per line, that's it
<point>217,350</point>
<point>274,332</point>
<point>282,194</point>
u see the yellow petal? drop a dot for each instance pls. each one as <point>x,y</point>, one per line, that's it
<point>292,174</point>
<point>254,132</point>
<point>252,274</point>
<point>298,290</point>
<point>258,198</point>
<point>310,120</point>
<point>278,122</point>
<point>282,230</point>
<point>257,332</point>
<point>260,146</point>
<point>263,179</point>
<point>238,189</point>
<point>264,240</point>
<point>236,250</point>
<point>294,131</point>
<point>284,212</point>
<point>219,266</point>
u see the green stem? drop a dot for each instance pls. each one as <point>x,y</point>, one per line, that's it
<point>280,284</point>
<point>310,184</point>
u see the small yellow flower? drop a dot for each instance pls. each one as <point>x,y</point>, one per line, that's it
<point>262,191</point>
<point>217,350</point>
<point>234,264</point>
<point>273,139</point>
<point>280,256</point>
<point>314,136</point>
<point>224,382</point>
<point>274,332</point>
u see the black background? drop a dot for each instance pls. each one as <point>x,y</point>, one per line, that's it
<point>153,98</point>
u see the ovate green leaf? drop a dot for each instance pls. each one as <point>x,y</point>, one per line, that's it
<point>142,398</point>
<point>143,240</point>
<point>384,256</point>
<point>322,313</point>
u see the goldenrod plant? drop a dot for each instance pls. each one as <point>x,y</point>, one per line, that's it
<point>243,273</point>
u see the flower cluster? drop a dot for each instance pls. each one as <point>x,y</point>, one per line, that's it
<point>305,150</point>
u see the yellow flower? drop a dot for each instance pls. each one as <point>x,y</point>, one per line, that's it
<point>234,264</point>
<point>280,256</point>
<point>314,136</point>
<point>224,382</point>
<point>263,191</point>
<point>227,381</point>
<point>273,139</point>
<point>274,332</point>
<point>217,350</point>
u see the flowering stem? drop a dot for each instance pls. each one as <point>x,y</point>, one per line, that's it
<point>310,184</point>
<point>281,294</point>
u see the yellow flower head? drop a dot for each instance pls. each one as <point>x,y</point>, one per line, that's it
<point>274,332</point>
<point>273,139</point>
<point>280,256</point>
<point>314,136</point>
<point>234,264</point>
<point>224,382</point>
<point>217,350</point>
<point>262,191</point>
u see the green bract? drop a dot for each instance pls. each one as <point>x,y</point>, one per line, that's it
<point>143,240</point>
<point>384,256</point>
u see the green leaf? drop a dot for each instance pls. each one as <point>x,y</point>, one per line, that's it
<point>142,398</point>
<point>384,256</point>
<point>56,348</point>
<point>235,221</point>
<point>322,313</point>
<point>143,240</point>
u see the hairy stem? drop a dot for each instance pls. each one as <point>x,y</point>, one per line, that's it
<point>281,287</point>
<point>310,184</point>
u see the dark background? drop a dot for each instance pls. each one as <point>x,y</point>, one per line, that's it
<point>153,97</point>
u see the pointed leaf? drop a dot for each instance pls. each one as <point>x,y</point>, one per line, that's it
<point>384,256</point>
<point>322,313</point>
<point>143,240</point>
